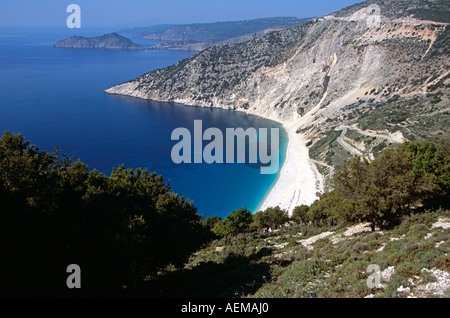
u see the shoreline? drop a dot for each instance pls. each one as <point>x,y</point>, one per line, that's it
<point>296,183</point>
<point>262,205</point>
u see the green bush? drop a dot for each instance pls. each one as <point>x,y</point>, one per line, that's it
<point>238,221</point>
<point>381,191</point>
<point>119,229</point>
<point>300,214</point>
<point>270,218</point>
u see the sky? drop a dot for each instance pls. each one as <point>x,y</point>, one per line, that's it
<point>129,13</point>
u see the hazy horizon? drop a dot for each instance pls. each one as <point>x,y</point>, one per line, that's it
<point>135,13</point>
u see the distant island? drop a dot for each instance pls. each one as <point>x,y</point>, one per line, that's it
<point>190,37</point>
<point>200,36</point>
<point>106,41</point>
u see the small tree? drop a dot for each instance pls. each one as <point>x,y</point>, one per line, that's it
<point>325,209</point>
<point>212,221</point>
<point>238,221</point>
<point>431,165</point>
<point>377,191</point>
<point>381,190</point>
<point>300,214</point>
<point>272,217</point>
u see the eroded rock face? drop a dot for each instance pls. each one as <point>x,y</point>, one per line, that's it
<point>309,76</point>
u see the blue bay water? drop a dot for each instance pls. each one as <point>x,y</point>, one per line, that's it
<point>54,97</point>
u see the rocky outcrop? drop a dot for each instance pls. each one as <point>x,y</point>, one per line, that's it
<point>431,10</point>
<point>341,70</point>
<point>107,41</point>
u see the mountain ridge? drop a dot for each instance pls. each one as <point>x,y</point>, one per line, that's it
<point>433,10</point>
<point>200,36</point>
<point>390,78</point>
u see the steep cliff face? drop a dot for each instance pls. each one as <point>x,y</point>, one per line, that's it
<point>350,68</point>
<point>107,41</point>
<point>434,10</point>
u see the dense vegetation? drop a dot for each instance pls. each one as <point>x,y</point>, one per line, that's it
<point>413,259</point>
<point>131,234</point>
<point>324,250</point>
<point>383,190</point>
<point>119,229</point>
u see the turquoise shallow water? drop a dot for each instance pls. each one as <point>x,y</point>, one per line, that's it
<point>55,97</point>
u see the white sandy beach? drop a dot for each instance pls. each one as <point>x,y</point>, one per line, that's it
<point>297,181</point>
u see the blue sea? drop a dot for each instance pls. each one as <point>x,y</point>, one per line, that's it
<point>54,97</point>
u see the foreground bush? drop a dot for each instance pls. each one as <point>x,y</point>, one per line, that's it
<point>270,218</point>
<point>118,229</point>
<point>238,221</point>
<point>381,191</point>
